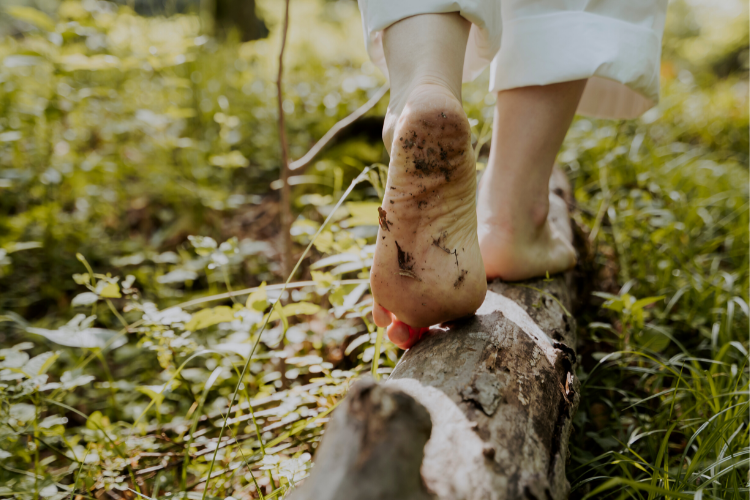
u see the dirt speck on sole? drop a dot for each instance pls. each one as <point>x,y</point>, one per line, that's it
<point>405,259</point>
<point>461,278</point>
<point>406,264</point>
<point>383,220</point>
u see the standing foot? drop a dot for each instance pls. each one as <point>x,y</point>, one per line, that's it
<point>519,244</point>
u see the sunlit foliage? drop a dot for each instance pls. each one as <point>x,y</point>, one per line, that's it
<point>139,258</point>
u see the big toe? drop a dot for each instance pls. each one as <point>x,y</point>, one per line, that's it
<point>381,315</point>
<point>403,335</point>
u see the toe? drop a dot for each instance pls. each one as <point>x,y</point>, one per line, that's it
<point>381,315</point>
<point>398,332</point>
<point>403,335</point>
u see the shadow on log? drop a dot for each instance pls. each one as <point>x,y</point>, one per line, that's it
<point>500,389</point>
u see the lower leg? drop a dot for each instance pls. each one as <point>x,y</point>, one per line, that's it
<point>423,51</point>
<point>516,238</point>
<point>427,266</point>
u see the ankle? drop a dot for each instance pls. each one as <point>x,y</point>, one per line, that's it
<point>518,216</point>
<point>538,212</point>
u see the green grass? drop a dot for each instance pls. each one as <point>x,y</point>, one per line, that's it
<point>122,163</point>
<point>665,380</point>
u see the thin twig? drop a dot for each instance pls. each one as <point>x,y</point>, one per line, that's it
<point>340,125</point>
<point>286,197</point>
<point>279,286</point>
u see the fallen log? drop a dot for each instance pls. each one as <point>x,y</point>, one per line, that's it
<point>500,390</point>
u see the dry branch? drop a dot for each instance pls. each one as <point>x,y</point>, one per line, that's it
<point>286,200</point>
<point>286,166</point>
<point>338,127</point>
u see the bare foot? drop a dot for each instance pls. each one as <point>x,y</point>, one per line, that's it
<point>427,267</point>
<point>518,243</point>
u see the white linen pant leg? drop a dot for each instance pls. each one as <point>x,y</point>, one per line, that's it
<point>616,44</point>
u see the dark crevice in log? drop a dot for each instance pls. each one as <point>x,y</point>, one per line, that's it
<point>562,415</point>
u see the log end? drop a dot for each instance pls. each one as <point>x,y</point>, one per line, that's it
<point>372,448</point>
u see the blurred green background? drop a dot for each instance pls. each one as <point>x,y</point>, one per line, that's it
<point>138,153</point>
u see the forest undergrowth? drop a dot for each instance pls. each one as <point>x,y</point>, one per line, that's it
<point>140,262</point>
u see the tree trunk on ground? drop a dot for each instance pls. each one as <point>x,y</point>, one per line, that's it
<point>500,390</point>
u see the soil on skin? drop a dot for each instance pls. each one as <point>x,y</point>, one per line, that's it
<point>405,259</point>
<point>430,158</point>
<point>383,219</point>
<point>430,161</point>
<point>461,277</point>
<point>406,264</point>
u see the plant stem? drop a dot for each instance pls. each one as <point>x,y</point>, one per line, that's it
<point>286,207</point>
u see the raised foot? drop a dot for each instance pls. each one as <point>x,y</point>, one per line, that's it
<point>427,267</point>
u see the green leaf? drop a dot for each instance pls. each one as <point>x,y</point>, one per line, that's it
<point>23,245</point>
<point>324,242</point>
<point>323,280</point>
<point>235,159</point>
<point>278,313</point>
<point>38,365</point>
<point>627,301</point>
<point>82,279</point>
<point>376,354</point>
<point>96,421</point>
<point>210,316</point>
<point>374,178</point>
<point>110,291</point>
<point>258,300</point>
<point>204,245</point>
<point>652,340</point>
<point>337,297</point>
<point>32,16</point>
<point>23,412</point>
<point>84,299</point>
<point>79,333</point>
<point>156,393</point>
<point>635,485</point>
<point>641,303</point>
<point>305,308</point>
<point>656,474</point>
<point>363,213</point>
